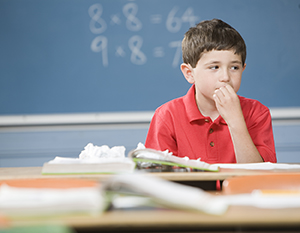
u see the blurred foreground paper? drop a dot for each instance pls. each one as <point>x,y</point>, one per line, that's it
<point>161,192</point>
<point>49,196</point>
<point>132,190</point>
<point>266,199</point>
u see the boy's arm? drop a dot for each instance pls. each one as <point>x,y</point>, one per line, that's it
<point>228,105</point>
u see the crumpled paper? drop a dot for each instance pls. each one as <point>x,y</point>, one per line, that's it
<point>91,151</point>
<point>96,154</point>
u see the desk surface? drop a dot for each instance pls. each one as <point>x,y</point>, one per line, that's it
<point>36,173</point>
<point>118,220</point>
<point>237,217</point>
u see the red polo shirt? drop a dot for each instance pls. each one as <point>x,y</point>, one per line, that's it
<point>179,127</point>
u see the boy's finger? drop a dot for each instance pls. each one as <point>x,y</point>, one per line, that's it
<point>229,89</point>
<point>216,98</point>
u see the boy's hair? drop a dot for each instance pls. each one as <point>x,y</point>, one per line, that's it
<point>211,35</point>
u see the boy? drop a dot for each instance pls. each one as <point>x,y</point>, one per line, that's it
<point>211,121</point>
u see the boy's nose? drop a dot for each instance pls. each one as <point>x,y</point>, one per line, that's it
<point>225,77</point>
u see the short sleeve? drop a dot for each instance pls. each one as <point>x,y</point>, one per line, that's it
<point>160,134</point>
<point>261,132</point>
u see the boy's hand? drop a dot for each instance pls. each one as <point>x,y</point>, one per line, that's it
<point>229,107</point>
<point>228,104</point>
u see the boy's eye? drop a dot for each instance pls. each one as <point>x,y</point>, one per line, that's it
<point>214,67</point>
<point>235,67</point>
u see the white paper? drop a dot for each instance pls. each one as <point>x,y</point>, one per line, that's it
<point>258,166</point>
<point>266,201</point>
<point>45,200</point>
<point>63,160</point>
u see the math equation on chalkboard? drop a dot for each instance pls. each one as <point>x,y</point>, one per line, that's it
<point>128,31</point>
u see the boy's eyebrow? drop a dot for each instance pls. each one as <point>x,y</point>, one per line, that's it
<point>211,62</point>
<point>237,61</point>
<point>217,62</point>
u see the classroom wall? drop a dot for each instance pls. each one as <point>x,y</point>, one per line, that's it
<point>70,56</point>
<point>103,56</point>
<point>35,145</point>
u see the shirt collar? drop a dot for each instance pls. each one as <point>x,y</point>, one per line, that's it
<point>192,110</point>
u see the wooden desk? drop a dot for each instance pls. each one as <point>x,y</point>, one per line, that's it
<point>204,180</point>
<point>237,218</point>
<point>36,172</point>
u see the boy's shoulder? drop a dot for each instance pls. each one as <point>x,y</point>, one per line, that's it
<point>172,105</point>
<point>180,103</point>
<point>249,104</point>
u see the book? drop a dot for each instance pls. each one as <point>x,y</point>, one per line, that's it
<point>149,158</point>
<point>137,189</point>
<point>92,160</point>
<point>61,165</point>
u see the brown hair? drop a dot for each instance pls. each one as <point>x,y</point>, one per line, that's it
<point>211,35</point>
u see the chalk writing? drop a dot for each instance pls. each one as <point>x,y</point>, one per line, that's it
<point>129,16</point>
<point>97,24</point>
<point>177,46</point>
<point>132,22</point>
<point>99,44</point>
<point>174,22</point>
<point>137,56</point>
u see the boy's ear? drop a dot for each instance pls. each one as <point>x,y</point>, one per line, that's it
<point>188,72</point>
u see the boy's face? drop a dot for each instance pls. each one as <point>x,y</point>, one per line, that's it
<point>216,69</point>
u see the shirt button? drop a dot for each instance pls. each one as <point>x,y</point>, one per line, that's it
<point>206,120</point>
<point>211,130</point>
<point>212,144</point>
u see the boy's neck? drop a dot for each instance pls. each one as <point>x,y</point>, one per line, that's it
<point>207,108</point>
